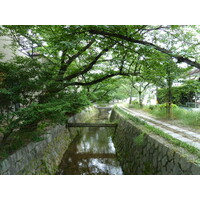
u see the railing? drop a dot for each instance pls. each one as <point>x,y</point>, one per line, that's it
<point>192,105</point>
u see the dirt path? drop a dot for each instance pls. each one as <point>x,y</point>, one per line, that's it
<point>183,134</point>
<point>172,122</point>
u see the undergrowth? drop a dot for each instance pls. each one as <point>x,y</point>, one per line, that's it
<point>186,117</point>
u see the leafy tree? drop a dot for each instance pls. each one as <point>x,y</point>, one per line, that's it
<point>164,73</point>
<point>72,57</point>
<point>156,37</point>
<point>180,95</point>
<point>140,85</point>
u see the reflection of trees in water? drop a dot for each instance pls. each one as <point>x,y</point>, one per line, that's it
<point>96,141</point>
<point>92,152</point>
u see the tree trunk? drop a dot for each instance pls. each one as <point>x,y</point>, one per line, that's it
<point>131,93</point>
<point>140,98</point>
<point>169,100</point>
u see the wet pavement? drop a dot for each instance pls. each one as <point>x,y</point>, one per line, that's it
<point>91,153</point>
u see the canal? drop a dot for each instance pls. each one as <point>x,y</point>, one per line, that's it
<point>91,153</point>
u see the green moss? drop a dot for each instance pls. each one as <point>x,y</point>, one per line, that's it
<point>139,140</point>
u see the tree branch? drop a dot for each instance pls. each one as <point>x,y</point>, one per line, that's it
<point>65,65</point>
<point>144,88</point>
<point>165,51</point>
<point>97,80</point>
<point>88,67</point>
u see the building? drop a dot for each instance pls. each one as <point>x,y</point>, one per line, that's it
<point>7,50</point>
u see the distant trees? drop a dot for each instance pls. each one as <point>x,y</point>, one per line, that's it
<point>182,94</point>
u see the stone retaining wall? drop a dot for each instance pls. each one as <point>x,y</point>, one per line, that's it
<point>44,157</point>
<point>142,153</point>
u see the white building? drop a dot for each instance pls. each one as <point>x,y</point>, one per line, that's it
<point>7,50</point>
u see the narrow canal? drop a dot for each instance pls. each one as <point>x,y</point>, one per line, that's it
<point>91,153</point>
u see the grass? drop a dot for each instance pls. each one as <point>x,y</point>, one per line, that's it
<point>186,117</point>
<point>134,105</point>
<point>150,129</point>
<point>139,140</point>
<point>191,118</point>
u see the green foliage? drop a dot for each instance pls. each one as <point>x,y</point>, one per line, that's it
<point>20,78</point>
<point>134,104</point>
<point>164,106</point>
<point>57,110</point>
<point>186,117</point>
<point>106,91</point>
<point>72,59</point>
<point>180,95</point>
<point>160,110</point>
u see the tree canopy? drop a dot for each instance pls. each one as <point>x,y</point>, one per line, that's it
<point>67,67</point>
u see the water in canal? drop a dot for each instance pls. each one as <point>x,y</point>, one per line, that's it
<point>91,153</point>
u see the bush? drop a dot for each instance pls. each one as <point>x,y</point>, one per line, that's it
<point>134,104</point>
<point>160,110</point>
<point>165,105</point>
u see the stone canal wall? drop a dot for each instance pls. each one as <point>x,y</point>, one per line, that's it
<point>44,157</point>
<point>142,153</point>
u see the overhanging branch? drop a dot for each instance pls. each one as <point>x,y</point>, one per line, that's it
<point>87,67</point>
<point>97,80</point>
<point>65,65</point>
<point>165,51</point>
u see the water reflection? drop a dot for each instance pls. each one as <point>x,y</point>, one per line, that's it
<point>91,152</point>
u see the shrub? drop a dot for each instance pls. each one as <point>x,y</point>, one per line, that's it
<point>187,117</point>
<point>164,106</point>
<point>134,104</point>
<point>160,110</point>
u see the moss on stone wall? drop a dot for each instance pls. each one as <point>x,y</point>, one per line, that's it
<point>142,152</point>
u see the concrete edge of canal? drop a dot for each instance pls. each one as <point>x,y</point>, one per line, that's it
<point>140,153</point>
<point>43,157</point>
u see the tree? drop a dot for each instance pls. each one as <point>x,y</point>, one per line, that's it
<point>71,57</point>
<point>47,87</point>
<point>140,85</point>
<point>163,74</point>
<point>181,94</point>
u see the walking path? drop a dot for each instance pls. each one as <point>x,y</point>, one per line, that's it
<point>181,134</point>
